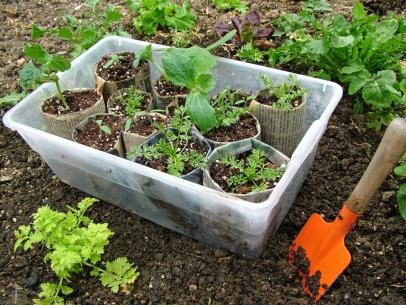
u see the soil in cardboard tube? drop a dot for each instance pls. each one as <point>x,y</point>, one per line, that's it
<point>91,134</point>
<point>165,88</point>
<point>243,129</point>
<point>117,106</point>
<point>120,70</point>
<point>161,163</point>
<point>221,173</point>
<point>176,269</point>
<point>76,100</point>
<point>144,125</point>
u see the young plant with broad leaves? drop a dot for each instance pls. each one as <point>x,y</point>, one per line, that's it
<point>73,242</point>
<point>190,68</point>
<point>253,174</point>
<point>103,127</point>
<point>151,14</point>
<point>50,65</point>
<point>400,170</point>
<point>174,148</point>
<point>286,93</point>
<point>228,5</point>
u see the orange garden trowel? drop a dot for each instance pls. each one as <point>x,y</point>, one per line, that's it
<point>318,252</point>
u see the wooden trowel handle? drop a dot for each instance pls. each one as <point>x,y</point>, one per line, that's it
<point>390,150</point>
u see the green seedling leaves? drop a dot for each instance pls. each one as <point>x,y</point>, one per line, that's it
<point>58,63</point>
<point>144,54</point>
<point>104,128</point>
<point>11,99</point>
<point>37,32</point>
<point>119,273</point>
<point>29,74</point>
<point>200,110</point>
<point>401,198</point>
<point>36,52</point>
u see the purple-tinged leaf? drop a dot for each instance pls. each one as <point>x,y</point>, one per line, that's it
<point>237,23</point>
<point>223,28</point>
<point>263,33</point>
<point>253,18</point>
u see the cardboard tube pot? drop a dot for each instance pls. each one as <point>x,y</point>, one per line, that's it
<point>118,148</point>
<point>114,105</point>
<point>140,79</point>
<point>130,138</point>
<point>196,174</point>
<point>239,147</point>
<point>282,129</point>
<point>63,124</point>
<point>162,101</point>
<point>257,136</point>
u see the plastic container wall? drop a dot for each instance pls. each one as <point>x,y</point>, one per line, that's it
<point>201,213</point>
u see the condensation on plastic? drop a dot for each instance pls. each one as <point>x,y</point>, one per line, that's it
<point>196,211</point>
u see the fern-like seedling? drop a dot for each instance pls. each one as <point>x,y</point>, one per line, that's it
<point>73,242</point>
<point>254,172</point>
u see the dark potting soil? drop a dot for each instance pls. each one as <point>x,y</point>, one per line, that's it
<point>144,124</point>
<point>161,163</point>
<point>117,106</point>
<point>221,173</point>
<point>176,269</point>
<point>76,100</point>
<point>165,88</point>
<point>383,7</point>
<point>265,100</point>
<point>91,134</point>
<point>243,129</point>
<point>120,70</point>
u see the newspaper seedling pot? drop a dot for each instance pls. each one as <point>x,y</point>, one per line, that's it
<point>257,136</point>
<point>139,78</point>
<point>239,147</point>
<point>63,124</point>
<point>131,138</point>
<point>196,174</point>
<point>115,106</point>
<point>282,129</point>
<point>117,148</point>
<point>162,101</point>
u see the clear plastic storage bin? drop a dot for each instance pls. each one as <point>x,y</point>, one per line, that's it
<point>196,211</point>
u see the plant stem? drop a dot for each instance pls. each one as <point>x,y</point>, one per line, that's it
<point>61,97</point>
<point>94,266</point>
<point>59,287</point>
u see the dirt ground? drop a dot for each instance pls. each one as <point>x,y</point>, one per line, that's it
<point>174,268</point>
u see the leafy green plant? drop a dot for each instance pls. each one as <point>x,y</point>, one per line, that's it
<point>226,5</point>
<point>98,20</point>
<point>250,53</point>
<point>50,65</point>
<point>73,242</point>
<point>103,127</point>
<point>401,195</point>
<point>363,53</point>
<point>190,68</point>
<point>284,93</point>
<point>114,59</point>
<point>164,13</point>
<point>181,39</point>
<point>11,99</point>
<point>173,149</point>
<point>254,171</point>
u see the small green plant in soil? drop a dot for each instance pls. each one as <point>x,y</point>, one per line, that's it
<point>250,53</point>
<point>114,59</point>
<point>226,5</point>
<point>284,94</point>
<point>97,20</point>
<point>175,151</point>
<point>252,174</point>
<point>235,98</point>
<point>103,127</point>
<point>225,114</point>
<point>50,65</point>
<point>73,242</point>
<point>163,13</point>
<point>190,68</point>
<point>401,195</point>
<point>181,39</point>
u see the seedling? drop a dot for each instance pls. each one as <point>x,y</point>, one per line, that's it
<point>73,242</point>
<point>114,59</point>
<point>103,127</point>
<point>50,65</point>
<point>225,5</point>
<point>400,170</point>
<point>173,150</point>
<point>250,53</point>
<point>253,172</point>
<point>164,13</point>
<point>190,68</point>
<point>247,29</point>
<point>285,93</point>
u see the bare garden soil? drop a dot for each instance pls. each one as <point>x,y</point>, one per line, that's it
<point>176,269</point>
